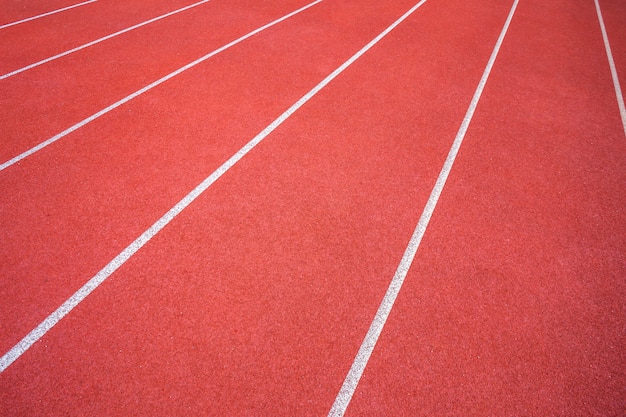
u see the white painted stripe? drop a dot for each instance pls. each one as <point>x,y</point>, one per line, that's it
<point>120,259</point>
<point>78,48</point>
<point>46,14</point>
<point>371,338</point>
<point>17,350</point>
<point>146,88</point>
<point>616,85</point>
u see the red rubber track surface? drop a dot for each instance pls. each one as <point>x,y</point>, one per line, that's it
<point>256,298</point>
<point>614,15</point>
<point>48,99</point>
<point>15,10</point>
<point>515,305</point>
<point>39,39</point>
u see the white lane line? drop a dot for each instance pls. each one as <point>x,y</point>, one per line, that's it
<point>45,14</point>
<point>360,362</point>
<point>146,88</point>
<point>22,346</point>
<point>78,48</point>
<point>616,85</point>
<point>131,249</point>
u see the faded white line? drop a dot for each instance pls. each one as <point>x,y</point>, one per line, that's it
<point>371,338</point>
<point>616,85</point>
<point>78,48</point>
<point>45,14</point>
<point>144,89</point>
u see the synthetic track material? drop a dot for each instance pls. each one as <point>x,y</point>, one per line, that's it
<point>616,83</point>
<point>130,250</point>
<point>516,307</point>
<point>255,298</point>
<point>370,202</point>
<point>28,19</point>
<point>145,89</point>
<point>102,39</point>
<point>24,44</point>
<point>369,343</point>
<point>75,225</point>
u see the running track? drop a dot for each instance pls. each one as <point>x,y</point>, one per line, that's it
<point>257,296</point>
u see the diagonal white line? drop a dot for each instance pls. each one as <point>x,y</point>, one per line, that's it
<point>87,45</point>
<point>45,14</point>
<point>22,346</point>
<point>616,85</point>
<point>371,338</point>
<point>131,249</point>
<point>146,88</point>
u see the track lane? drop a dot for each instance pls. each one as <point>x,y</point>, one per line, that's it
<point>614,17</point>
<point>40,103</point>
<point>42,15</point>
<point>268,282</point>
<point>102,39</point>
<point>77,204</point>
<point>514,304</point>
<point>33,41</point>
<point>16,10</point>
<point>368,344</point>
<point>614,14</point>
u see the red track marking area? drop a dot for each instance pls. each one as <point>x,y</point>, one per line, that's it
<point>515,305</point>
<point>17,10</point>
<point>615,20</point>
<point>256,298</point>
<point>77,86</point>
<point>616,54</point>
<point>169,144</point>
<point>32,43</point>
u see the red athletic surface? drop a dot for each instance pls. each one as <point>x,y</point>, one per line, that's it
<point>15,10</point>
<point>50,98</point>
<point>614,14</point>
<point>171,138</point>
<point>255,299</point>
<point>515,304</point>
<point>29,42</point>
